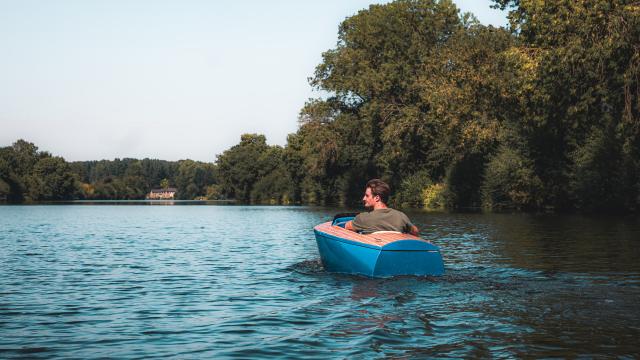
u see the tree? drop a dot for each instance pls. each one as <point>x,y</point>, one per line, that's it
<point>510,183</point>
<point>11,188</point>
<point>135,181</point>
<point>193,178</point>
<point>582,84</point>
<point>253,171</point>
<point>26,156</point>
<point>240,166</point>
<point>52,179</point>
<point>24,169</point>
<point>410,87</point>
<point>123,178</point>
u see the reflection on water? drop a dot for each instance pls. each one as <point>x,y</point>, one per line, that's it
<point>236,281</point>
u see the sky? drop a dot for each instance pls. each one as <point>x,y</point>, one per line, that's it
<point>92,80</point>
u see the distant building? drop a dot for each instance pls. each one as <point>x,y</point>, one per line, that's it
<point>162,194</point>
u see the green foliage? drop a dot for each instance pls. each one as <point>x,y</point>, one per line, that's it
<point>503,120</point>
<point>582,67</point>
<point>434,197</point>
<point>462,183</point>
<point>453,113</point>
<point>193,178</point>
<point>253,171</point>
<point>329,157</point>
<point>404,83</point>
<point>133,179</point>
<point>5,190</point>
<point>138,176</point>
<point>213,193</point>
<point>27,174</point>
<point>25,156</point>
<point>410,193</point>
<point>112,189</point>
<point>10,184</point>
<point>273,188</point>
<point>239,166</point>
<point>294,164</point>
<point>601,179</point>
<point>52,179</point>
<point>510,182</point>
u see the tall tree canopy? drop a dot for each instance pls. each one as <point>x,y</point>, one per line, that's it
<point>32,175</point>
<point>253,171</point>
<point>411,86</point>
<point>576,100</point>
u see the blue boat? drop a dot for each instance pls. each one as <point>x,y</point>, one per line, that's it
<point>381,254</point>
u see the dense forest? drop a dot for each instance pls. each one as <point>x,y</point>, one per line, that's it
<point>27,174</point>
<point>542,115</point>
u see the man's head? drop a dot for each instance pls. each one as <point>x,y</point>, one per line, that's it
<point>376,193</point>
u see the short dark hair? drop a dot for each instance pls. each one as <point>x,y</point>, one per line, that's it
<point>380,188</point>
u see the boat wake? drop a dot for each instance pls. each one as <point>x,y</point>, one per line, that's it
<point>308,267</point>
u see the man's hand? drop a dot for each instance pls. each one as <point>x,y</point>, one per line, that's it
<point>414,230</point>
<point>349,225</point>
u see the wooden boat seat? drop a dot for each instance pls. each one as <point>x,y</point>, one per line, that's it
<point>380,238</point>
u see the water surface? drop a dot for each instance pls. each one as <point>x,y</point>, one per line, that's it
<point>92,281</point>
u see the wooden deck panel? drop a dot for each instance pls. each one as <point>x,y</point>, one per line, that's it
<point>379,239</point>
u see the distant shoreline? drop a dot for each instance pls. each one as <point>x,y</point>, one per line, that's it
<point>127,202</point>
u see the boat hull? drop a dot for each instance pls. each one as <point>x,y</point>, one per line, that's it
<point>343,252</point>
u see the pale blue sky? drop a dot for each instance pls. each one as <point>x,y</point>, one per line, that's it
<point>90,80</point>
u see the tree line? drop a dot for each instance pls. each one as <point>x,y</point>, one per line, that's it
<point>27,174</point>
<point>542,115</point>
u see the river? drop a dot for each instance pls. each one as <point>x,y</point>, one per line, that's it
<point>203,281</point>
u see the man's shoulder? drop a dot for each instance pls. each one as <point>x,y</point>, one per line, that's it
<point>401,215</point>
<point>396,212</point>
<point>381,213</point>
<point>372,213</point>
<point>362,214</point>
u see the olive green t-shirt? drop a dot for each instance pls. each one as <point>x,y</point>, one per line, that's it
<point>382,220</point>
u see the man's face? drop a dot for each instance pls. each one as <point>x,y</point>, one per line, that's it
<point>369,200</point>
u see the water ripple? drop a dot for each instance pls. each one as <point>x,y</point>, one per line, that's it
<point>246,282</point>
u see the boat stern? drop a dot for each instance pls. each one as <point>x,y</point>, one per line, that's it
<point>409,257</point>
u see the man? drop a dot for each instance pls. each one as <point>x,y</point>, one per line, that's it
<point>380,217</point>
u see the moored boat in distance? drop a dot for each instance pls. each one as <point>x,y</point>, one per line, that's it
<point>380,254</point>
